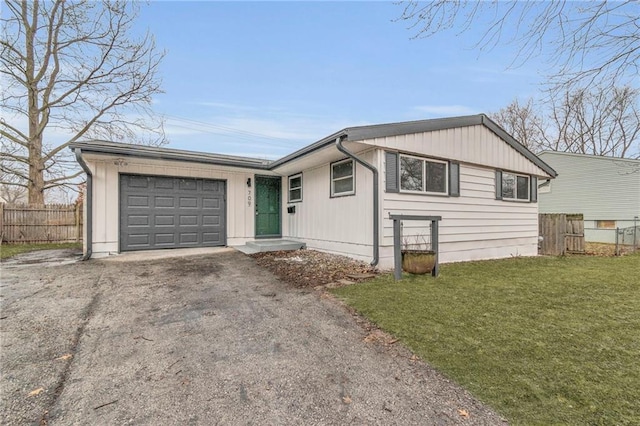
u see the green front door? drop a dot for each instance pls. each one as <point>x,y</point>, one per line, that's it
<point>268,206</point>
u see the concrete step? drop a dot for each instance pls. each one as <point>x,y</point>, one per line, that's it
<point>275,245</point>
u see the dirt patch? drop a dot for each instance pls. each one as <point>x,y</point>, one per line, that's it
<point>310,268</point>
<point>192,267</point>
<point>603,249</point>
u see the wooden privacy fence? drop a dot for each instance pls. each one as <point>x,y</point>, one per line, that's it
<point>52,223</point>
<point>561,233</point>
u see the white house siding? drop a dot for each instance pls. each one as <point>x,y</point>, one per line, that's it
<point>474,225</point>
<point>601,188</point>
<point>472,144</point>
<point>341,225</point>
<point>240,217</point>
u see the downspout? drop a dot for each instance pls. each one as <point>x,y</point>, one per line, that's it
<point>376,213</point>
<point>88,202</point>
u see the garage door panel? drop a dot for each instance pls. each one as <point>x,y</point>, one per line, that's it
<point>164,220</point>
<point>211,220</point>
<point>164,183</point>
<point>137,220</point>
<point>188,238</point>
<point>212,186</point>
<point>188,202</point>
<point>209,237</point>
<point>188,185</point>
<point>211,203</point>
<point>188,220</point>
<point>164,202</point>
<point>167,212</point>
<point>138,182</point>
<point>165,239</point>
<point>139,240</point>
<point>138,201</point>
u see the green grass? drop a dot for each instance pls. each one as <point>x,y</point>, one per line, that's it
<point>542,340</point>
<point>9,250</point>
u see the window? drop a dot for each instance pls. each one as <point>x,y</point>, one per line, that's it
<point>342,178</point>
<point>295,188</point>
<point>605,224</point>
<point>510,186</point>
<point>422,175</point>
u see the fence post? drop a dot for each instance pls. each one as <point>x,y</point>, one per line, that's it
<point>635,233</point>
<point>77,218</point>
<point>1,222</point>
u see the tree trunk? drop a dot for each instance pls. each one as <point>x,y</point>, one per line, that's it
<point>35,185</point>
<point>36,173</point>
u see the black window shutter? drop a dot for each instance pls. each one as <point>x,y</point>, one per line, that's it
<point>454,179</point>
<point>533,193</point>
<point>498,185</point>
<point>391,171</point>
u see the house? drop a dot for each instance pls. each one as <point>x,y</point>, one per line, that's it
<point>334,195</point>
<point>606,190</point>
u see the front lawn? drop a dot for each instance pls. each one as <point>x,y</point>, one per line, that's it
<point>9,250</point>
<point>542,340</point>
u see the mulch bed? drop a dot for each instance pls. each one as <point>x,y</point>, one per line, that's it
<point>310,268</point>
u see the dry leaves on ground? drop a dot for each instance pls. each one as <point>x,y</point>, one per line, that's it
<point>603,249</point>
<point>310,268</point>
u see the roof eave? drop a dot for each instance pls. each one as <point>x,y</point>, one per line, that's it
<point>110,148</point>
<point>322,143</point>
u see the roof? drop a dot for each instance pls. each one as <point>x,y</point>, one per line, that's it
<point>350,134</point>
<point>592,157</point>
<point>360,133</point>
<point>125,149</point>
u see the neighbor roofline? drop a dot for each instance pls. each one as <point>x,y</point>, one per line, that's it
<point>596,157</point>
<point>144,151</point>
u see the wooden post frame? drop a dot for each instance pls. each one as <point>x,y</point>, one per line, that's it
<point>397,249</point>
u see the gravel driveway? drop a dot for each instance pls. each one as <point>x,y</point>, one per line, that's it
<point>207,339</point>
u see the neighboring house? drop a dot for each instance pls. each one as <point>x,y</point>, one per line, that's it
<point>466,169</point>
<point>605,190</point>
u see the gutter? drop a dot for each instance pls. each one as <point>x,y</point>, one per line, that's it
<point>376,215</point>
<point>88,202</point>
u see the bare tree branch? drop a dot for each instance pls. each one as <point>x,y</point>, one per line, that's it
<point>585,43</point>
<point>73,68</point>
<point>600,121</point>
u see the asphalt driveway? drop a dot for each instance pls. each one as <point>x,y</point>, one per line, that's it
<point>205,339</point>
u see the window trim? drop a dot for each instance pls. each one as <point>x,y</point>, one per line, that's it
<point>424,160</point>
<point>515,189</point>
<point>332,192</point>
<point>289,188</point>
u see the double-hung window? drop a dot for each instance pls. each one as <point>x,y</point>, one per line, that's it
<point>342,178</point>
<point>295,188</point>
<point>516,187</point>
<point>423,175</point>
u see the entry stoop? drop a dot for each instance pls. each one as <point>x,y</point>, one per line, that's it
<point>270,245</point>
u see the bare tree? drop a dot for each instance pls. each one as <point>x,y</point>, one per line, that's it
<point>600,121</point>
<point>71,70</point>
<point>585,41</point>
<point>522,122</point>
<point>11,193</point>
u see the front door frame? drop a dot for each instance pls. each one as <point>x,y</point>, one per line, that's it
<point>256,179</point>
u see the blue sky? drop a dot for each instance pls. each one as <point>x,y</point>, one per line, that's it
<point>265,78</point>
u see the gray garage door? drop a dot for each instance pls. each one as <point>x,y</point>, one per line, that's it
<point>167,212</point>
